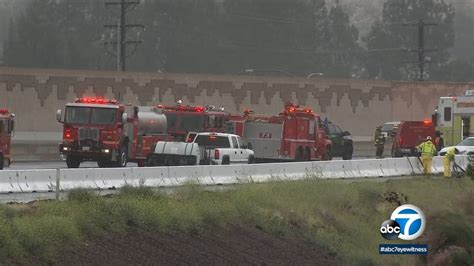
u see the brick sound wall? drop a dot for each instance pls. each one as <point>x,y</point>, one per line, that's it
<point>356,105</point>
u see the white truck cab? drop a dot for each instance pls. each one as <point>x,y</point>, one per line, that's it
<point>202,148</point>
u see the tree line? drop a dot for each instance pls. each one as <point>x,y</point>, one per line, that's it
<point>228,36</point>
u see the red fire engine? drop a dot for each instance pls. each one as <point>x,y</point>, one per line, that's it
<point>182,119</point>
<point>6,132</point>
<point>109,132</point>
<point>295,134</point>
<point>409,134</point>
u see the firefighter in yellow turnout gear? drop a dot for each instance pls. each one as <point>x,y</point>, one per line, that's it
<point>428,150</point>
<point>448,160</point>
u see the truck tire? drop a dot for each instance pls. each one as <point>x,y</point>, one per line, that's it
<point>1,161</point>
<point>122,158</point>
<point>225,160</point>
<point>299,154</point>
<point>251,159</point>
<point>72,162</point>
<point>327,156</point>
<point>347,157</point>
<point>348,151</point>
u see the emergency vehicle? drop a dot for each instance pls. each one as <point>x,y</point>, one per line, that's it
<point>409,135</point>
<point>6,133</point>
<point>182,119</point>
<point>454,118</point>
<point>109,132</point>
<point>296,134</point>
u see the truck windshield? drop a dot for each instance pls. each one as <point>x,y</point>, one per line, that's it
<point>185,122</point>
<point>90,115</point>
<point>212,141</point>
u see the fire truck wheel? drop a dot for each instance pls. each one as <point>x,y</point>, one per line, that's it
<point>299,154</point>
<point>225,160</point>
<point>72,162</point>
<point>1,161</point>
<point>328,154</point>
<point>123,157</point>
<point>251,159</point>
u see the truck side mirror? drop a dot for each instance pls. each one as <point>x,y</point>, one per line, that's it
<point>124,118</point>
<point>59,115</point>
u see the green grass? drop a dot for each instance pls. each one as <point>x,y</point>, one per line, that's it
<point>341,215</point>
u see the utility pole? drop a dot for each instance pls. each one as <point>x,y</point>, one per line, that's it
<point>421,46</point>
<point>119,46</point>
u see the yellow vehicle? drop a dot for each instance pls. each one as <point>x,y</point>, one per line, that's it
<point>454,118</point>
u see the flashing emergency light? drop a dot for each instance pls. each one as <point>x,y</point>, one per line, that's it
<point>95,100</point>
<point>4,111</point>
<point>199,109</point>
<point>427,122</point>
<point>292,109</point>
<point>183,108</point>
<point>67,133</point>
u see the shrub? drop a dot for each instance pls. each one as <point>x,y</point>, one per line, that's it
<point>43,236</point>
<point>141,191</point>
<point>81,195</point>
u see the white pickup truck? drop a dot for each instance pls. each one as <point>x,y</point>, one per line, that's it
<point>201,148</point>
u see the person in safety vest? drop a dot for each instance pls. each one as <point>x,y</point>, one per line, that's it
<point>379,141</point>
<point>448,159</point>
<point>428,150</point>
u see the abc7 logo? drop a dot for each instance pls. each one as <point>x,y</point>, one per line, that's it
<point>407,223</point>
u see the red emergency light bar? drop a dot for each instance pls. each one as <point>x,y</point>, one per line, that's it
<point>427,122</point>
<point>292,109</point>
<point>95,100</point>
<point>4,111</point>
<point>184,108</point>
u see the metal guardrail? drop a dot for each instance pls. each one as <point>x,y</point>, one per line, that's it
<point>60,180</point>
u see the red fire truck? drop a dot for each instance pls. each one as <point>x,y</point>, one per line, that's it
<point>6,132</point>
<point>295,134</point>
<point>182,119</point>
<point>109,132</point>
<point>410,134</point>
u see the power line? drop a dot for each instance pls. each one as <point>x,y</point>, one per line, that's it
<point>120,44</point>
<point>421,46</point>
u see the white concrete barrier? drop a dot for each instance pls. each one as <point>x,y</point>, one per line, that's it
<point>151,176</point>
<point>96,178</point>
<point>9,182</point>
<point>12,181</point>
<point>100,178</point>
